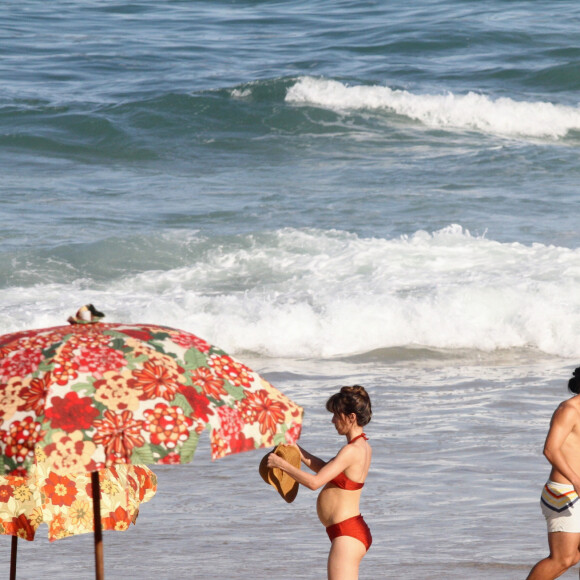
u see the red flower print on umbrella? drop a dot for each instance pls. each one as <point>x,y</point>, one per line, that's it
<point>260,408</point>
<point>21,363</point>
<point>169,426</point>
<point>34,395</point>
<point>227,368</point>
<point>60,488</point>
<point>119,433</point>
<point>65,502</point>
<point>96,361</point>
<point>104,394</point>
<point>211,385</point>
<point>71,412</point>
<point>187,340</point>
<point>156,380</point>
<point>163,388</point>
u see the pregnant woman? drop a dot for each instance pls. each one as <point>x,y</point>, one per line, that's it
<point>343,478</point>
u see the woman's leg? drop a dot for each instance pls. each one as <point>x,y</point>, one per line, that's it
<point>344,558</point>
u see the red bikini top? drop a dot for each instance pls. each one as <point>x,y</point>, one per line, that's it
<point>342,481</point>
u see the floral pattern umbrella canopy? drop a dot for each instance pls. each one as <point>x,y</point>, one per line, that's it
<point>98,394</point>
<point>65,502</point>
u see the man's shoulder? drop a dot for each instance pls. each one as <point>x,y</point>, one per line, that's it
<point>569,409</point>
<point>572,402</point>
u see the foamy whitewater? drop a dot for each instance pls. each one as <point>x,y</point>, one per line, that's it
<point>322,294</point>
<point>335,193</point>
<point>470,111</point>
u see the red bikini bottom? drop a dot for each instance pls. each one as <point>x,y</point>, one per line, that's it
<point>354,527</point>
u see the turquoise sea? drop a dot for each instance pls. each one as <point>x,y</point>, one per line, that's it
<point>334,192</point>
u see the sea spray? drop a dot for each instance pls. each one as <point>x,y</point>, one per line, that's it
<point>468,112</point>
<point>315,293</point>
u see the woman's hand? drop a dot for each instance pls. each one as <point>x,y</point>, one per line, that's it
<point>277,461</point>
<point>274,460</point>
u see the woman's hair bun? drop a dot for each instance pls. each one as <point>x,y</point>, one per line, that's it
<point>353,399</point>
<point>357,390</point>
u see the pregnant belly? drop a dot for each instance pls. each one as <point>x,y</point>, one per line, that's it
<point>336,505</point>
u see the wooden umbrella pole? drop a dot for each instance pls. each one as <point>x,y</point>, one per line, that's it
<point>99,561</point>
<point>13,553</point>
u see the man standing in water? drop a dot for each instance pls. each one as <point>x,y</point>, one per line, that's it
<point>560,501</point>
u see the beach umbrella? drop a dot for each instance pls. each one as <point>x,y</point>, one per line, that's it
<point>92,395</point>
<point>65,501</point>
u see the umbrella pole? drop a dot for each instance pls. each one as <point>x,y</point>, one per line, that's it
<point>13,553</point>
<point>99,562</point>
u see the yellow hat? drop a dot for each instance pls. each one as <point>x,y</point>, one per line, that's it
<point>286,485</point>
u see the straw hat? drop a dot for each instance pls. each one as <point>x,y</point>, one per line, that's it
<point>287,486</point>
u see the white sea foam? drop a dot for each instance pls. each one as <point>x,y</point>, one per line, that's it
<point>313,293</point>
<point>470,111</point>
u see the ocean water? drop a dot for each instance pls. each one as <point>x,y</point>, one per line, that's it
<point>339,192</point>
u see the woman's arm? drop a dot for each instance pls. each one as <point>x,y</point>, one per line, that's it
<point>325,474</point>
<point>311,461</point>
